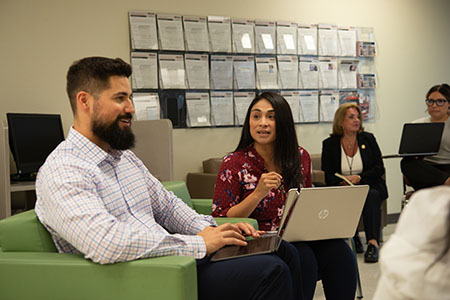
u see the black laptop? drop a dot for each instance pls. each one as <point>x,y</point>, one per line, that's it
<point>268,243</point>
<point>420,139</point>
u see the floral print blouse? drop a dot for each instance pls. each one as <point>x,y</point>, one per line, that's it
<point>238,177</point>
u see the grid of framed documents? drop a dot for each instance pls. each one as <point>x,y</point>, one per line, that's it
<point>202,71</point>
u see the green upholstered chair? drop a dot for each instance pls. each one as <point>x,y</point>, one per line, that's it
<point>31,268</point>
<point>202,206</point>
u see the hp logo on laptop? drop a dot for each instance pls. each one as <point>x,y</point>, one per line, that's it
<point>323,214</point>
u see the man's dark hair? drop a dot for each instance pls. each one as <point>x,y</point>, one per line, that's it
<point>286,154</point>
<point>91,74</point>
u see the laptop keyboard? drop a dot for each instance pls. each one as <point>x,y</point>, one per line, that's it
<point>256,244</point>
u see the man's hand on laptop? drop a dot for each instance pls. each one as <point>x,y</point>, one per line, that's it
<point>227,234</point>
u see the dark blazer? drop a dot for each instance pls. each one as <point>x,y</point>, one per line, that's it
<point>373,168</point>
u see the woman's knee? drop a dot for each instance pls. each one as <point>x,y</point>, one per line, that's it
<point>373,199</point>
<point>305,251</point>
<point>308,259</point>
<point>347,259</point>
<point>338,248</point>
<point>373,194</point>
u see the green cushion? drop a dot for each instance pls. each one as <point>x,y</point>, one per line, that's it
<point>24,233</point>
<point>223,220</point>
<point>179,188</point>
<point>202,206</point>
<point>71,277</point>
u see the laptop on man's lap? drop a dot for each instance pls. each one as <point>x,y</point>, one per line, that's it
<point>268,243</point>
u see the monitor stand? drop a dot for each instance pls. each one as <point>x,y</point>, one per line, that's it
<point>23,177</point>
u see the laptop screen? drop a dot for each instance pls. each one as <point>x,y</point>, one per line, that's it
<point>421,138</point>
<point>291,200</point>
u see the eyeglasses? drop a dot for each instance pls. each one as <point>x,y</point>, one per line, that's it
<point>439,102</point>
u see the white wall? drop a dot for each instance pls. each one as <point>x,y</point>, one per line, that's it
<point>40,39</point>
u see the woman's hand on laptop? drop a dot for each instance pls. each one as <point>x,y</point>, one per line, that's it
<point>249,230</point>
<point>227,234</point>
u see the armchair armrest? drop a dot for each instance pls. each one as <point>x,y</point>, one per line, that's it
<point>318,177</point>
<point>203,206</point>
<point>223,220</point>
<point>68,276</point>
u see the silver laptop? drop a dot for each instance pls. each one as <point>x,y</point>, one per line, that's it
<point>268,243</point>
<point>419,139</point>
<point>326,213</point>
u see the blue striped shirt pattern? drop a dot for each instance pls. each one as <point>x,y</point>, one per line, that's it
<point>108,207</point>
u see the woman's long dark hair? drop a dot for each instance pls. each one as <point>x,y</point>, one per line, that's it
<point>286,154</point>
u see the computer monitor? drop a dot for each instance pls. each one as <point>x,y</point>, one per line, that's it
<point>32,137</point>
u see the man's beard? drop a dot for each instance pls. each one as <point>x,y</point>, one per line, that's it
<point>117,138</point>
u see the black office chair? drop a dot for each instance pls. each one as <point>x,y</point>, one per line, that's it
<point>359,293</point>
<point>408,191</point>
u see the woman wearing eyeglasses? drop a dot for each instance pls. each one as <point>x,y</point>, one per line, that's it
<point>432,170</point>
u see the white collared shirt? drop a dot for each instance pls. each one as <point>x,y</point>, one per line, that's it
<point>109,207</point>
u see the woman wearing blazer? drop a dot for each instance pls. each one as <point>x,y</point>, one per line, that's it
<point>354,153</point>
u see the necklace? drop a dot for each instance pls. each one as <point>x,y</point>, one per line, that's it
<point>350,161</point>
<point>349,146</point>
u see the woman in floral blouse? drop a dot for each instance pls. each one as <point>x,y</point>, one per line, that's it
<point>253,182</point>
